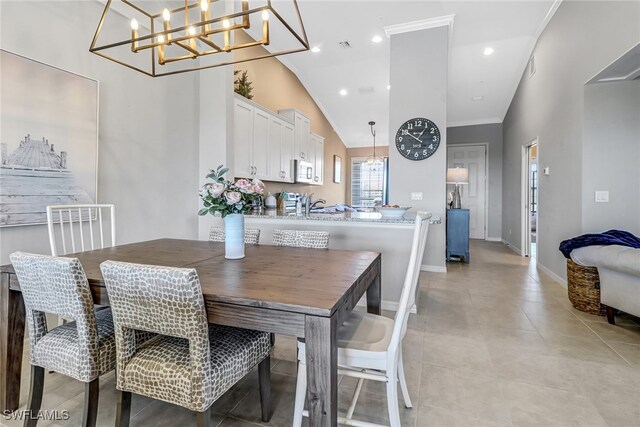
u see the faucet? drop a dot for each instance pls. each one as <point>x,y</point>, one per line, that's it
<point>313,205</point>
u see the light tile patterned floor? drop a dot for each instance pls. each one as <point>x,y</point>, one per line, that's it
<point>496,343</point>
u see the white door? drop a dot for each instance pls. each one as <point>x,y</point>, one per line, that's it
<point>243,139</point>
<point>473,195</point>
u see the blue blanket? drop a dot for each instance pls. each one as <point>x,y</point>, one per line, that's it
<point>611,237</point>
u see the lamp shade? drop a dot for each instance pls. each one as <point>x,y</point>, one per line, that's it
<point>457,176</point>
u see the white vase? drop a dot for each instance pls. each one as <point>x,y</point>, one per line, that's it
<point>234,236</point>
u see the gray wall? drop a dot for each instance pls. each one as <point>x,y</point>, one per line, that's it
<point>611,156</point>
<point>148,136</point>
<point>419,89</point>
<point>581,39</point>
<point>490,134</point>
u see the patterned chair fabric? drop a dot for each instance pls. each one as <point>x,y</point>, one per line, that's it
<point>82,349</point>
<point>191,363</point>
<point>251,235</point>
<point>301,239</point>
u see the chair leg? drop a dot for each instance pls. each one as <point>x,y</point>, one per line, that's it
<point>392,397</point>
<point>123,409</point>
<point>264,376</point>
<point>611,317</point>
<point>35,396</point>
<point>301,393</point>
<point>91,394</point>
<point>403,382</point>
<point>272,338</point>
<point>203,419</point>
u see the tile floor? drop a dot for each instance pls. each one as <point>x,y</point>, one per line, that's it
<point>496,343</point>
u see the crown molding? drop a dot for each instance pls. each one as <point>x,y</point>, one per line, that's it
<point>423,24</point>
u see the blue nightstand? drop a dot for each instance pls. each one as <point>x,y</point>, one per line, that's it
<point>458,233</point>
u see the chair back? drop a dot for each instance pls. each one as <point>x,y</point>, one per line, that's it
<point>58,286</point>
<point>163,300</point>
<point>408,295</point>
<point>301,239</point>
<point>251,235</point>
<point>80,228</point>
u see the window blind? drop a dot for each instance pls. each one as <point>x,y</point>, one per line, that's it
<point>368,182</point>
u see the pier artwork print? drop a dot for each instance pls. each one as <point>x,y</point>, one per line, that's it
<point>48,139</point>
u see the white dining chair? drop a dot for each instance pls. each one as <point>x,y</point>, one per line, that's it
<point>80,227</point>
<point>370,346</point>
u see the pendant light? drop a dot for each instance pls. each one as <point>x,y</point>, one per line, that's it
<point>374,161</point>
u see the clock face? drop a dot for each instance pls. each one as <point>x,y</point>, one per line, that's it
<point>418,139</point>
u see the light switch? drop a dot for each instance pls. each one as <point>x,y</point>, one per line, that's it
<point>546,170</point>
<point>416,196</point>
<point>602,197</point>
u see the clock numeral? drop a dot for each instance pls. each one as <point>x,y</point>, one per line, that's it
<point>424,152</point>
<point>409,126</point>
<point>432,130</point>
<point>399,139</point>
<point>418,122</point>
<point>430,146</point>
<point>402,147</point>
<point>435,139</point>
<point>416,155</point>
<point>405,132</point>
<point>408,151</point>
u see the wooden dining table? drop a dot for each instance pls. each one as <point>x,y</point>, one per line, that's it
<point>305,293</point>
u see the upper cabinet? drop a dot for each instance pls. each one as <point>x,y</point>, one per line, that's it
<point>266,143</point>
<point>302,126</point>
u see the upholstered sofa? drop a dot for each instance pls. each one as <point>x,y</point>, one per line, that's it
<point>619,271</point>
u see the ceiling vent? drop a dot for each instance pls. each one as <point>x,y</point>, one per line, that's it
<point>366,90</point>
<point>345,45</point>
<point>531,66</point>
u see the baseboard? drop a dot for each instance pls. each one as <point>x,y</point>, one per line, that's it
<point>513,248</point>
<point>494,239</point>
<point>434,268</point>
<point>551,274</point>
<point>387,305</point>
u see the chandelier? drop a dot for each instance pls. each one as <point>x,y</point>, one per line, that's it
<point>196,34</point>
<point>374,161</point>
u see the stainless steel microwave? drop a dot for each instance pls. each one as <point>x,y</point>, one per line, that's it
<point>303,171</point>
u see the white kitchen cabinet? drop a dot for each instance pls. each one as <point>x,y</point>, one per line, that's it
<point>260,159</point>
<point>243,138</point>
<point>302,127</point>
<point>287,150</point>
<point>316,146</point>
<point>275,149</point>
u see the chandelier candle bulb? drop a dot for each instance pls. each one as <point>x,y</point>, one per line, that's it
<point>204,15</point>
<point>265,27</point>
<point>166,17</point>
<point>226,24</point>
<point>161,50</point>
<point>191,32</point>
<point>134,35</point>
<point>246,22</point>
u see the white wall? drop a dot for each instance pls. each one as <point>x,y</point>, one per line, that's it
<point>419,89</point>
<point>581,39</point>
<point>490,134</point>
<point>148,135</point>
<point>611,156</point>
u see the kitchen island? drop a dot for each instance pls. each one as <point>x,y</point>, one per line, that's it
<point>353,231</point>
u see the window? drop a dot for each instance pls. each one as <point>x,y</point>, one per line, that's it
<point>369,182</point>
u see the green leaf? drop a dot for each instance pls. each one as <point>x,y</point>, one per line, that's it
<point>202,212</point>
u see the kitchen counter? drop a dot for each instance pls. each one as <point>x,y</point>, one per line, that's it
<point>367,218</point>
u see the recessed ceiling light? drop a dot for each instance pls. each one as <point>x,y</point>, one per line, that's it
<point>487,51</point>
<point>477,98</point>
<point>388,87</point>
<point>315,49</point>
<point>376,39</point>
<point>343,92</point>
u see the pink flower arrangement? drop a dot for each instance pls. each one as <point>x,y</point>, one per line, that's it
<point>225,197</point>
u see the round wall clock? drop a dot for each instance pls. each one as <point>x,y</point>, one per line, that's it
<point>418,139</point>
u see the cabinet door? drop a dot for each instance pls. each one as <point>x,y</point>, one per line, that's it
<point>243,139</point>
<point>275,149</point>
<point>303,129</point>
<point>319,161</point>
<point>260,158</point>
<point>287,151</point>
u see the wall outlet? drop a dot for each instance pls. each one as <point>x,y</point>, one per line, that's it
<point>602,197</point>
<point>416,196</point>
<point>546,170</point>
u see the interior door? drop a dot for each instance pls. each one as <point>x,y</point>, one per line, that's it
<point>473,195</point>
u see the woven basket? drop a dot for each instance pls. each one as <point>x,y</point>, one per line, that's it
<point>583,284</point>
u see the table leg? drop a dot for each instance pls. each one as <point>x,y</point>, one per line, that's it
<point>12,318</point>
<point>374,293</point>
<point>322,370</point>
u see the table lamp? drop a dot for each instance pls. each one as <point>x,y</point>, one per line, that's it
<point>457,176</point>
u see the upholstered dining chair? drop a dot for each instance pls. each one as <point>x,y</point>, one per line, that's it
<point>251,235</point>
<point>301,239</point>
<point>189,363</point>
<point>83,348</point>
<point>370,346</point>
